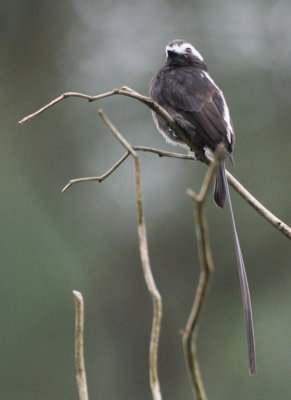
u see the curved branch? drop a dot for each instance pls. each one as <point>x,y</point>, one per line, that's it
<point>96,178</point>
<point>160,153</point>
<point>190,333</point>
<point>147,271</point>
<point>126,91</point>
<point>189,336</point>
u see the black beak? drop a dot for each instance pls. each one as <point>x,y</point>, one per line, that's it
<point>172,53</point>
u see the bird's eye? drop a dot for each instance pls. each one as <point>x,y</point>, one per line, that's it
<point>188,50</point>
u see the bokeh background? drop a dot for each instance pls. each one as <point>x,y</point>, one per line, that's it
<point>86,239</point>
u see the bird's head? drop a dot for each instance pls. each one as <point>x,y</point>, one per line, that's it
<point>181,52</point>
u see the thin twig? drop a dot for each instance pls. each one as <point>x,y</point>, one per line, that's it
<point>144,254</point>
<point>163,153</point>
<point>125,91</point>
<point>262,210</point>
<point>97,178</point>
<point>160,153</point>
<point>190,333</point>
<point>79,346</point>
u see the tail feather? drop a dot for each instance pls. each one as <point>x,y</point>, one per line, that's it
<point>220,189</point>
<point>246,299</point>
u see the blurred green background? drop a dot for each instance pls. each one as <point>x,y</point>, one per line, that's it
<point>86,239</point>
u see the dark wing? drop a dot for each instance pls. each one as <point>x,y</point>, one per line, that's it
<point>198,101</point>
<point>185,89</point>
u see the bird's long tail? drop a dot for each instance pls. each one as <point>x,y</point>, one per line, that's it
<point>246,299</point>
<point>220,188</point>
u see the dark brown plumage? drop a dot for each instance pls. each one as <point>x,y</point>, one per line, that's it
<point>184,88</point>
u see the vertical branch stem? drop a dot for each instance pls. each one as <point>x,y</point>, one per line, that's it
<point>192,326</point>
<point>79,346</point>
<point>145,260</point>
<point>206,269</point>
<point>152,288</point>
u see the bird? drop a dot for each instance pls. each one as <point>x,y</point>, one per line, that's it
<point>185,89</point>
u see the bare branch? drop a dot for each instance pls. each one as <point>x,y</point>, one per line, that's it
<point>97,178</point>
<point>262,210</point>
<point>144,253</point>
<point>126,91</point>
<point>63,97</point>
<point>101,178</point>
<point>190,333</point>
<point>163,153</point>
<point>79,346</point>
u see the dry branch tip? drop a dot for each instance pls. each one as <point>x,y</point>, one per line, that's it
<point>79,346</point>
<point>192,194</point>
<point>68,185</point>
<point>78,295</point>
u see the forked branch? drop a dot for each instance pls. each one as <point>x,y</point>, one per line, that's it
<point>190,333</point>
<point>126,91</point>
<point>101,178</point>
<point>144,254</point>
<point>191,330</point>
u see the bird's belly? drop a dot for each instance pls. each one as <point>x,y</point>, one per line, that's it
<point>168,133</point>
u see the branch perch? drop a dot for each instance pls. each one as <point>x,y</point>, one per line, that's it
<point>126,91</point>
<point>79,346</point>
<point>192,327</point>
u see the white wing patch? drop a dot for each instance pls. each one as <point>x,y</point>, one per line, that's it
<point>226,115</point>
